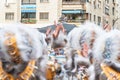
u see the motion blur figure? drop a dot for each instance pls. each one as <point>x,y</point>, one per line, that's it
<point>56,41</point>
<point>107,55</point>
<point>21,50</point>
<point>82,40</point>
<point>56,38</point>
<point>24,51</point>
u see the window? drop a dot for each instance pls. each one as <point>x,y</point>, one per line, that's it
<point>99,20</point>
<point>106,11</point>
<point>9,16</point>
<point>28,15</point>
<point>113,22</point>
<point>99,4</point>
<point>44,15</point>
<point>113,10</point>
<point>94,18</point>
<point>68,0</point>
<point>113,1</point>
<point>87,0</point>
<point>94,4</point>
<point>90,17</point>
<point>82,1</point>
<point>28,2</point>
<point>42,1</point>
<point>107,1</point>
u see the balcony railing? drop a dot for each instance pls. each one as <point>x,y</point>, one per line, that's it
<point>76,21</point>
<point>28,3</point>
<point>28,21</point>
<point>72,2</point>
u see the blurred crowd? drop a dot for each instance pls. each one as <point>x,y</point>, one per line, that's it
<point>87,52</point>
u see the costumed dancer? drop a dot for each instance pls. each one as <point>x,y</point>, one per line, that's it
<point>56,40</point>
<point>21,49</point>
<point>107,56</point>
<point>81,40</point>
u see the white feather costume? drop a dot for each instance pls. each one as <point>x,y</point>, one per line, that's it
<point>29,42</point>
<point>83,34</point>
<point>107,50</point>
<point>86,33</point>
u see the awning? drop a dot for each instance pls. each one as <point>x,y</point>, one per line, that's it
<point>23,11</point>
<point>28,8</point>
<point>72,11</point>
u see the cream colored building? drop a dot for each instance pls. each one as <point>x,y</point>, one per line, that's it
<point>97,11</point>
<point>48,11</point>
<point>40,11</point>
<point>117,17</point>
<point>10,11</point>
<point>75,11</point>
<point>45,12</point>
<point>30,11</point>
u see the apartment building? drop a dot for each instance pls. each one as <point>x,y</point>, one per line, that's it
<point>117,16</point>
<point>47,11</point>
<point>75,11</point>
<point>98,11</point>
<point>30,11</point>
<point>40,11</point>
<point>10,11</point>
<point>102,12</point>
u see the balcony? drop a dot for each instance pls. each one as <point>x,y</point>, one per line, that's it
<point>69,7</point>
<point>28,21</point>
<point>28,3</point>
<point>72,2</point>
<point>76,21</point>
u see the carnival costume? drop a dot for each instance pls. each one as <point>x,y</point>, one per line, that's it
<point>20,51</point>
<point>81,40</point>
<point>107,56</point>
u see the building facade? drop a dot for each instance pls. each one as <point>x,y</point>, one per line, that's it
<point>40,11</point>
<point>47,11</point>
<point>30,11</point>
<point>74,10</point>
<point>100,12</point>
<point>10,11</point>
<point>117,16</point>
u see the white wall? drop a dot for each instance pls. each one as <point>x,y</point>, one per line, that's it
<point>52,7</point>
<point>13,6</point>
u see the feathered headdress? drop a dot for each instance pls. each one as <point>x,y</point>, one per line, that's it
<point>29,42</point>
<point>108,46</point>
<point>86,33</point>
